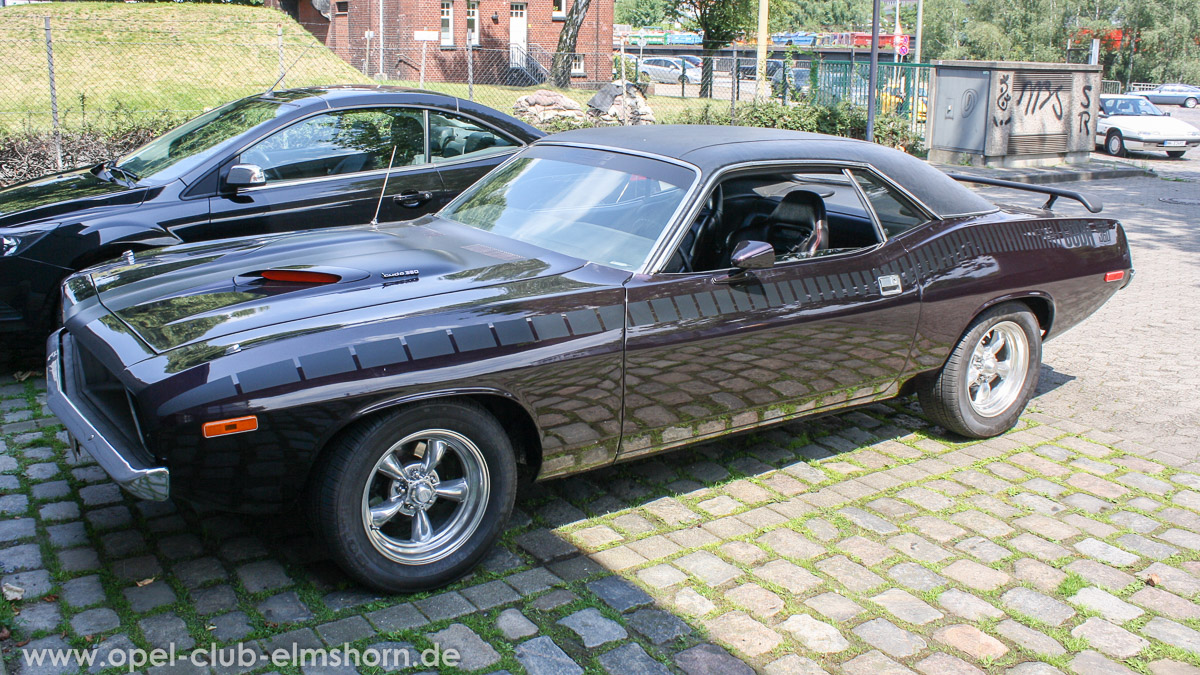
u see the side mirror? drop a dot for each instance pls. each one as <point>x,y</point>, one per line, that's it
<point>752,255</point>
<point>245,175</point>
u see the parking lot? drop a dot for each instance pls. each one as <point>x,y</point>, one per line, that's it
<point>866,542</point>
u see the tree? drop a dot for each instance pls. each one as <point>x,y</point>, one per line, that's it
<point>560,71</point>
<point>639,13</point>
<point>721,21</point>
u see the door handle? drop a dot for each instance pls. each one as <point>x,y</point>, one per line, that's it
<point>889,285</point>
<point>412,198</point>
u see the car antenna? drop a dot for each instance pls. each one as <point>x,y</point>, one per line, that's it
<point>382,192</point>
<point>287,70</point>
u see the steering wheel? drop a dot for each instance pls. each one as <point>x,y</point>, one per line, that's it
<point>703,227</point>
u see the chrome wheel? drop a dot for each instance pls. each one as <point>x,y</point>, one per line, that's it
<point>425,497</point>
<point>997,370</point>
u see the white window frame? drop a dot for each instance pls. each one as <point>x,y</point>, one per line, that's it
<point>473,23</point>
<point>558,9</point>
<point>447,24</point>
<point>578,65</point>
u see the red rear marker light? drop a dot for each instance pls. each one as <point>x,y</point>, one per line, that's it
<point>1114,276</point>
<point>236,425</point>
<point>300,276</point>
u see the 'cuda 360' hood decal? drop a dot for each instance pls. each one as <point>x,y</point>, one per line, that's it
<point>184,294</point>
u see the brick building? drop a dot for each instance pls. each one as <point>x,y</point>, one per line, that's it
<point>512,44</point>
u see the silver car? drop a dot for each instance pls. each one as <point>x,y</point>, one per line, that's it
<point>1185,95</point>
<point>669,70</point>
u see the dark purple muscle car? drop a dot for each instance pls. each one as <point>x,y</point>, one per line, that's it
<point>603,295</point>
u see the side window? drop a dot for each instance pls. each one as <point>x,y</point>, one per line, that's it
<point>452,137</point>
<point>341,142</point>
<point>896,214</point>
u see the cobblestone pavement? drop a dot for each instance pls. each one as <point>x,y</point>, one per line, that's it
<point>866,542</point>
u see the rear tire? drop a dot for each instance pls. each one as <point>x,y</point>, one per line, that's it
<point>1175,154</point>
<point>1189,103</point>
<point>990,375</point>
<point>415,499</point>
<point>1114,144</point>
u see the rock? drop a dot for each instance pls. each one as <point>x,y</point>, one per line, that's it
<point>610,106</point>
<point>544,106</point>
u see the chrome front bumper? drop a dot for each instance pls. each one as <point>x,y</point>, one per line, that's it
<point>93,432</point>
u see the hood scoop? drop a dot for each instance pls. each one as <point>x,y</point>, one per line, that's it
<point>299,276</point>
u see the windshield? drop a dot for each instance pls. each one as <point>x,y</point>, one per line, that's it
<point>604,207</point>
<point>1130,106</point>
<point>175,153</point>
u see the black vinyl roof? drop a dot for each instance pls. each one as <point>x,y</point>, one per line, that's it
<point>712,148</point>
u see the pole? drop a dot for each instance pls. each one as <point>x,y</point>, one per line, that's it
<point>896,36</point>
<point>471,65</point>
<point>920,29</point>
<point>874,72</point>
<point>279,40</point>
<point>624,88</point>
<point>760,57</point>
<point>53,98</point>
<point>735,73</point>
<point>423,43</point>
<point>380,75</point>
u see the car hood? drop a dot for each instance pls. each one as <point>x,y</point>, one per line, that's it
<point>61,194</point>
<point>1152,125</point>
<point>185,294</point>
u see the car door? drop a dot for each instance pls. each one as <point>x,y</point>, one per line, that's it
<point>463,150</point>
<point>329,169</point>
<point>712,351</point>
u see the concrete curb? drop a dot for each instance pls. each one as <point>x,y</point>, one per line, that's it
<point>1058,174</point>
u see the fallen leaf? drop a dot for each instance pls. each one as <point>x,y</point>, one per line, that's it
<point>87,637</point>
<point>5,633</point>
<point>50,598</point>
<point>22,643</point>
<point>210,628</point>
<point>13,593</point>
<point>22,375</point>
<point>145,582</point>
<point>1153,580</point>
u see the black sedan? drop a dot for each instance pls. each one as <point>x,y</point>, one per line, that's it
<point>604,295</point>
<point>284,160</point>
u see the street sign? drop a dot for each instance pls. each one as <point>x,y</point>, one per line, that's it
<point>426,35</point>
<point>902,50</point>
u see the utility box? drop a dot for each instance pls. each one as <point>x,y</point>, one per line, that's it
<point>1005,113</point>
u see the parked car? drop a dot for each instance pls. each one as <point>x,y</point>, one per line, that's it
<point>284,160</point>
<point>668,70</point>
<point>604,295</point>
<point>748,68</point>
<point>1185,95</point>
<point>1133,123</point>
<point>799,81</point>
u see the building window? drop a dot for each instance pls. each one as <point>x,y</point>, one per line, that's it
<point>558,9</point>
<point>447,24</point>
<point>473,23</point>
<point>343,7</point>
<point>578,67</point>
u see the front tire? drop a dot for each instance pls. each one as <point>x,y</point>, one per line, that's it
<point>1175,154</point>
<point>990,376</point>
<point>1114,144</point>
<point>415,499</point>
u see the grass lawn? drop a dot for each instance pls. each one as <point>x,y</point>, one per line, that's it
<point>169,58</point>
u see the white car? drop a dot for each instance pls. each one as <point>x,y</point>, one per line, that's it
<point>1134,123</point>
<point>669,70</point>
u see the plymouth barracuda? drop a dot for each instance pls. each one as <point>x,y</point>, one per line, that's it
<point>602,296</point>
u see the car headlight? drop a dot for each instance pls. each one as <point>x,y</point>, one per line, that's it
<point>15,240</point>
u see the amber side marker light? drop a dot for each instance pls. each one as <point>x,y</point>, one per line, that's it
<point>300,276</point>
<point>1114,276</point>
<point>236,425</point>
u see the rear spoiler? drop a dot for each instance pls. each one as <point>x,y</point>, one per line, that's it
<point>1090,203</point>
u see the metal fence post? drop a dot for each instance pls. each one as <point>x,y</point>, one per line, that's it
<point>734,75</point>
<point>624,88</point>
<point>53,98</point>
<point>470,69</point>
<point>279,41</point>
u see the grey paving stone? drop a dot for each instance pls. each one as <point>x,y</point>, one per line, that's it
<point>1135,521</point>
<point>835,606</point>
<point>122,544</point>
<point>195,573</point>
<point>657,626</point>
<point>513,625</point>
<point>39,616</point>
<point>340,600</point>
<point>350,629</point>
<point>1172,633</point>
<point>491,594</point>
<point>96,495</point>
<point>62,536</point>
<point>631,659</point>
<point>867,520</point>
<point>816,636</point>
<point>285,607</point>
<point>238,549</point>
<point>213,599</point>
<point>1108,605</point>
<point>708,568</point>
<point>532,581</point>
<point>1094,548</point>
<point>942,663</point>
<point>79,559</point>
<point>136,569</point>
<point>474,652</point>
<point>1100,574</point>
<point>1147,547</point>
<point>1030,639</point>
<point>850,574</point>
<point>16,530</point>
<point>53,643</point>
<point>540,656</point>
<point>148,597</point>
<point>93,621</point>
<point>165,630</point>
<point>20,558</point>
<point>231,626</point>
<point>967,606</point>
<point>103,651</point>
<point>619,594</point>
<point>545,546</point>
<point>110,518</point>
<point>1110,639</point>
<point>264,575</point>
<point>915,577</point>
<point>58,511</point>
<point>1089,662</point>
<point>83,592</point>
<point>890,638</point>
<point>13,504</point>
<point>300,638</point>
<point>976,576</point>
<point>787,575</point>
<point>874,663</point>
<point>906,607</point>
<point>553,600</point>
<point>593,628</point>
<point>443,606</point>
<point>1172,579</point>
<point>709,659</point>
<point>1037,605</point>
<point>35,583</point>
<point>180,546</point>
<point>397,618</point>
<point>41,471</point>
<point>1166,604</point>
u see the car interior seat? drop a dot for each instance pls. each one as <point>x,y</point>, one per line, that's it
<point>797,227</point>
<point>408,135</point>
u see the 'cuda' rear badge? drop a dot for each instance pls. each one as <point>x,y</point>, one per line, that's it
<point>406,275</point>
